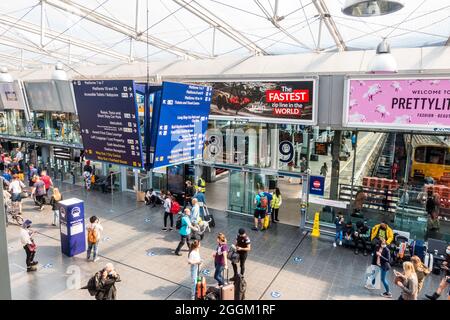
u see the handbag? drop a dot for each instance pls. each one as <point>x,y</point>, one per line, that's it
<point>32,247</point>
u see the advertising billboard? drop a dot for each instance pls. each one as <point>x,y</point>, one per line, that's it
<point>286,101</point>
<point>179,123</point>
<point>402,103</point>
<point>109,121</point>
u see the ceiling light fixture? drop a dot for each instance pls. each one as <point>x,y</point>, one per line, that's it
<point>5,76</point>
<point>384,61</point>
<point>371,8</point>
<point>59,73</point>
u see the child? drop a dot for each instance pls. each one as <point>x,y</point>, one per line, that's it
<point>339,222</point>
<point>56,197</point>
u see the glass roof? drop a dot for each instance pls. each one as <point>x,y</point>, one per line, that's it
<point>115,31</point>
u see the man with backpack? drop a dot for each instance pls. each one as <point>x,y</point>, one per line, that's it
<point>262,204</point>
<point>102,284</point>
<point>243,246</point>
<point>94,229</point>
<point>184,225</point>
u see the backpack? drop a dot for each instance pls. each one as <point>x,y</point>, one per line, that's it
<point>175,207</point>
<point>92,285</point>
<point>179,222</point>
<point>263,202</point>
<point>92,235</point>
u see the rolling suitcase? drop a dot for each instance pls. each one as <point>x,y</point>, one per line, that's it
<point>200,289</point>
<point>207,216</point>
<point>418,248</point>
<point>429,261</point>
<point>227,290</point>
<point>240,286</point>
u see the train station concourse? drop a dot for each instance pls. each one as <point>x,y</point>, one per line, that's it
<point>225,150</point>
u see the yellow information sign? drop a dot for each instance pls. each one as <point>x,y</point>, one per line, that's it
<point>316,231</point>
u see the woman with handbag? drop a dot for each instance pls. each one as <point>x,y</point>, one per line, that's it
<point>28,245</point>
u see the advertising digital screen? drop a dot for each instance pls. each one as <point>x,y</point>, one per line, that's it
<point>321,148</point>
<point>271,101</point>
<point>402,103</point>
<point>109,121</point>
<point>179,125</point>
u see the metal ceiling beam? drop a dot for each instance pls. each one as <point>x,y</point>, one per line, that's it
<point>36,49</point>
<point>32,28</point>
<point>118,26</point>
<point>275,20</point>
<point>329,23</point>
<point>19,59</point>
<point>214,21</point>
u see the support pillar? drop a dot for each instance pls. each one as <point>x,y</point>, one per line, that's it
<point>5,279</point>
<point>335,165</point>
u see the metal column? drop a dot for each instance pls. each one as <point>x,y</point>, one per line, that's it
<point>5,279</point>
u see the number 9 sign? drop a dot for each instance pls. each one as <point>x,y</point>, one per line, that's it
<point>286,150</point>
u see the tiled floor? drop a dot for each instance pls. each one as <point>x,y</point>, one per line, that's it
<point>131,230</point>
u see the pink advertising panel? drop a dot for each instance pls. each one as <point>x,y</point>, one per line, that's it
<point>406,103</point>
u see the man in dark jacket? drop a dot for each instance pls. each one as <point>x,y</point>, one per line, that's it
<point>107,279</point>
<point>348,233</point>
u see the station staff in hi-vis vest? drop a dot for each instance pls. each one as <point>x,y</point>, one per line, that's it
<point>201,185</point>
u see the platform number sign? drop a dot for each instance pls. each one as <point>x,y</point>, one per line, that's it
<point>286,150</point>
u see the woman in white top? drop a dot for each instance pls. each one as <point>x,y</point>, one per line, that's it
<point>16,188</point>
<point>194,260</point>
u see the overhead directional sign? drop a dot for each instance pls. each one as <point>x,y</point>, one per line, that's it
<point>109,121</point>
<point>179,123</point>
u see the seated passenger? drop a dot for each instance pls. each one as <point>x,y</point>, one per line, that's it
<point>348,234</point>
<point>359,236</point>
<point>379,232</point>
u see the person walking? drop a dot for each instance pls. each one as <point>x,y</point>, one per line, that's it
<point>188,194</point>
<point>94,229</point>
<point>87,174</point>
<point>269,197</point>
<point>194,261</point>
<point>421,272</point>
<point>407,282</point>
<point>243,246</point>
<point>47,181</point>
<point>32,171</point>
<point>39,192</point>
<point>185,231</point>
<point>261,203</point>
<point>107,278</point>
<point>276,203</point>
<point>324,170</point>
<point>195,213</point>
<point>167,213</point>
<point>381,258</point>
<point>220,259</point>
<point>28,245</point>
<point>16,188</point>
<point>56,198</point>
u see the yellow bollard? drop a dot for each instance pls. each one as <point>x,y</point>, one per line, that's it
<point>316,231</point>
